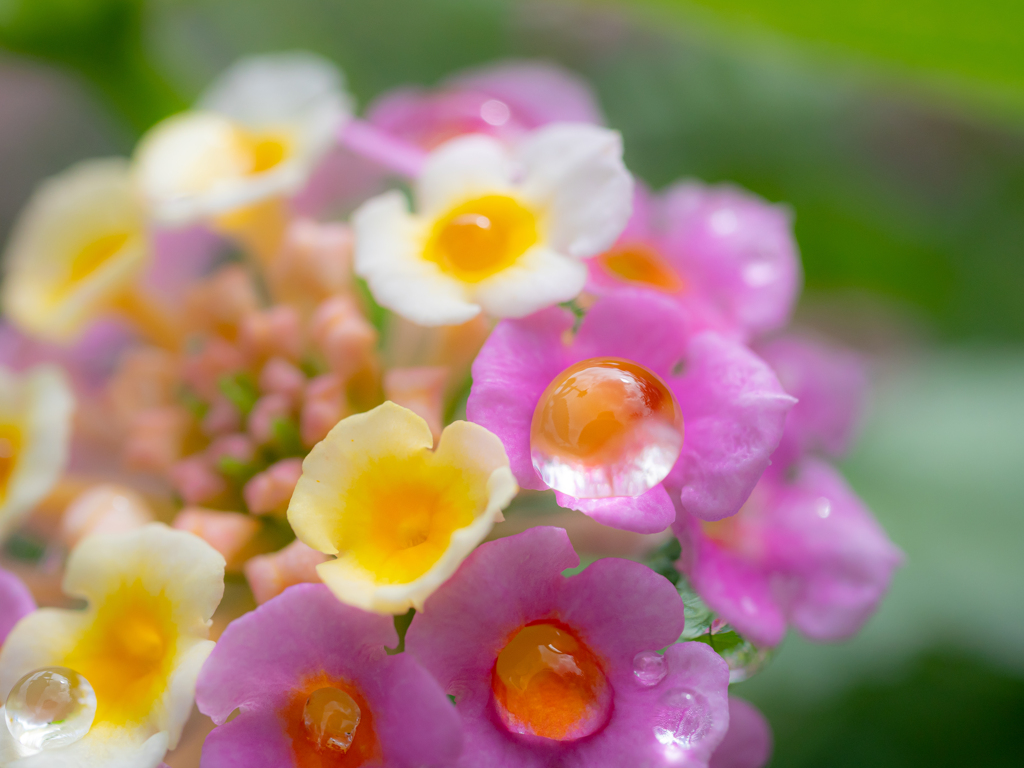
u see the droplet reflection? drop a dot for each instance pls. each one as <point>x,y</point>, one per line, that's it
<point>48,708</point>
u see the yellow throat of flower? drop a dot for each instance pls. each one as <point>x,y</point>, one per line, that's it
<point>10,450</point>
<point>482,237</point>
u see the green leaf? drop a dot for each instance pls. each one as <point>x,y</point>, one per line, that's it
<point>241,390</point>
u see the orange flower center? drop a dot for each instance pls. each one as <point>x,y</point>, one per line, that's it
<point>10,448</point>
<point>330,725</point>
<point>642,264</point>
<point>548,683</point>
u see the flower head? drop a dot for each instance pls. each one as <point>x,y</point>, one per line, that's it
<point>548,670</point>
<point>399,516</point>
<point>634,404</point>
<point>15,601</point>
<point>257,134</point>
<point>76,251</point>
<point>748,742</point>
<point>35,432</point>
<point>497,228</point>
<point>139,643</point>
<point>315,687</point>
<point>724,253</point>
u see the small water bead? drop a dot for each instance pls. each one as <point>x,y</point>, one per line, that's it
<point>605,427</point>
<point>48,708</point>
<point>331,717</point>
<point>683,719</point>
<point>649,668</point>
<point>548,683</point>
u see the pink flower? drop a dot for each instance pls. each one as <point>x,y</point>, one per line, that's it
<point>421,390</point>
<point>554,671</point>
<point>270,490</point>
<point>229,533</point>
<point>724,253</point>
<point>271,574</point>
<point>306,646</point>
<point>804,550</point>
<point>15,601</point>
<point>830,384</point>
<point>274,332</point>
<point>503,100</point>
<point>197,480</point>
<point>282,378</point>
<point>106,508</point>
<point>268,410</point>
<point>748,742</point>
<point>733,408</point>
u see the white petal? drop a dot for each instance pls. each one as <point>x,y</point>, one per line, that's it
<point>100,748</point>
<point>575,173</point>
<point>540,278</point>
<point>388,255</point>
<point>461,169</point>
<point>41,402</point>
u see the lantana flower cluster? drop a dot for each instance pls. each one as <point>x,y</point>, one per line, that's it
<point>391,377</point>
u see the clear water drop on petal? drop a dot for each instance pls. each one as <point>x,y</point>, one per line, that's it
<point>649,668</point>
<point>50,707</point>
<point>683,719</point>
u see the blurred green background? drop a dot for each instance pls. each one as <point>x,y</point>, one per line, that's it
<point>894,129</point>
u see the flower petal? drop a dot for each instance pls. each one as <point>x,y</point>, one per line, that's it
<point>462,169</point>
<point>574,172</point>
<point>540,278</point>
<point>15,601</point>
<point>650,512</point>
<point>748,742</point>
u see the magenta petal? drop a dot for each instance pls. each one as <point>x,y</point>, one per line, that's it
<point>517,363</point>
<point>644,327</point>
<point>748,742</point>
<point>651,512</point>
<point>830,384</point>
<point>734,412</point>
<point>626,588</point>
<point>834,561</point>
<point>264,656</point>
<point>15,602</point>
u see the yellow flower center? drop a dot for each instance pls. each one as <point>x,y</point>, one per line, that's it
<point>400,513</point>
<point>265,150</point>
<point>641,264</point>
<point>92,257</point>
<point>10,448</point>
<point>128,653</point>
<point>481,237</point>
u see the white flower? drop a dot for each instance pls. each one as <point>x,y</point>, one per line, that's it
<point>35,431</point>
<point>140,643</point>
<point>496,228</point>
<point>256,134</point>
<point>400,517</point>
<point>76,251</point>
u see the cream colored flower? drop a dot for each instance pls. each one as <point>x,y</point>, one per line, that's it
<point>256,134</point>
<point>35,432</point>
<point>76,251</point>
<point>399,516</point>
<point>140,643</point>
<point>496,228</point>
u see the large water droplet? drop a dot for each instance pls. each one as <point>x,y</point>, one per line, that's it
<point>649,667</point>
<point>605,427</point>
<point>683,719</point>
<point>48,708</point>
<point>331,717</point>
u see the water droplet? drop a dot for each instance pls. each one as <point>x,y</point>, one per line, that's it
<point>48,708</point>
<point>649,667</point>
<point>823,507</point>
<point>548,683</point>
<point>724,222</point>
<point>605,427</point>
<point>494,112</point>
<point>682,720</point>
<point>758,274</point>
<point>331,717</point>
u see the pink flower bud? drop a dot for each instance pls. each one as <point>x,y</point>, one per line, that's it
<point>196,480</point>
<point>227,532</point>
<point>237,446</point>
<point>269,575</point>
<point>281,377</point>
<point>222,417</point>
<point>324,407</point>
<point>146,377</point>
<point>274,332</point>
<point>204,369</point>
<point>344,337</point>
<point>267,410</point>
<point>218,304</point>
<point>315,262</point>
<point>271,490</point>
<point>421,390</point>
<point>154,439</point>
<point>106,508</point>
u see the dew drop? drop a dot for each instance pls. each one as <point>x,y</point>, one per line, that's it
<point>494,112</point>
<point>331,717</point>
<point>683,719</point>
<point>649,668</point>
<point>51,707</point>
<point>605,427</point>
<point>823,507</point>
